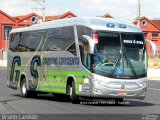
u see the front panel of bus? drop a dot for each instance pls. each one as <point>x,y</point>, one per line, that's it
<point>118,65</point>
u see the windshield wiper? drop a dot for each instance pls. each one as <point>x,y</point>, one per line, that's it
<point>130,64</point>
<point>117,60</point>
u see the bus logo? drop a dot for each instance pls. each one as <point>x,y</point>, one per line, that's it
<point>122,87</point>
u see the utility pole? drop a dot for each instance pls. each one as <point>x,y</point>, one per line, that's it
<point>139,12</point>
<point>42,4</point>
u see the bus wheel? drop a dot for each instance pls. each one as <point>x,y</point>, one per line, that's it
<point>72,93</point>
<point>24,92</point>
<point>23,88</point>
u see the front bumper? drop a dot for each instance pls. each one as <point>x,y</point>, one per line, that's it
<point>103,92</point>
<point>116,89</point>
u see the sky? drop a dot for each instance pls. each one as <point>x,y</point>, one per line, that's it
<point>121,9</point>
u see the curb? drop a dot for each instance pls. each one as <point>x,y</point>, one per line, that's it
<point>153,74</point>
<point>154,78</point>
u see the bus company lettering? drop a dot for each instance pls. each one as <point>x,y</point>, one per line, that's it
<point>61,61</point>
<point>133,42</point>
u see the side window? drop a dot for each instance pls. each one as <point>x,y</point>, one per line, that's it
<point>85,56</point>
<point>14,41</point>
<point>52,40</point>
<point>59,39</point>
<point>22,45</point>
<point>26,41</point>
<point>67,34</point>
<point>84,46</point>
<point>72,49</point>
<point>35,40</point>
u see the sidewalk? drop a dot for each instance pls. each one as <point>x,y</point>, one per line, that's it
<point>153,74</point>
<point>3,63</point>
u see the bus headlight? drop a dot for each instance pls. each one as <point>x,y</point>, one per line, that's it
<point>86,80</point>
<point>143,84</point>
<point>102,83</point>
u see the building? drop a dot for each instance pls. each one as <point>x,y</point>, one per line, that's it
<point>151,29</point>
<point>69,14</point>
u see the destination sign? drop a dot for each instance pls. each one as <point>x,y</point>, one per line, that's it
<point>133,43</point>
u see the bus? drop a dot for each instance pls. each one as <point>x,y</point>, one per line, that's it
<point>79,57</point>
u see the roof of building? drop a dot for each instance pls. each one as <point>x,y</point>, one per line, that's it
<point>107,15</point>
<point>7,15</point>
<point>96,23</point>
<point>156,22</point>
<point>69,13</point>
<point>23,17</point>
<point>153,22</point>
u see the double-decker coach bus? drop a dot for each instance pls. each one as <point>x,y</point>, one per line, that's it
<point>88,57</point>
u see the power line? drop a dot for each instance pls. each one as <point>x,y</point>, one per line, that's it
<point>42,7</point>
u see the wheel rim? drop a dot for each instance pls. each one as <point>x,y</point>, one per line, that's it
<point>24,89</point>
<point>70,92</point>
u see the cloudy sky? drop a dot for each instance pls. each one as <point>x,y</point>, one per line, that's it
<point>123,9</point>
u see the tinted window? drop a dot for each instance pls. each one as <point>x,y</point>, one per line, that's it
<point>22,44</point>
<point>59,39</point>
<point>14,41</point>
<point>83,45</point>
<point>81,30</point>
<point>72,49</point>
<point>26,41</point>
<point>35,39</point>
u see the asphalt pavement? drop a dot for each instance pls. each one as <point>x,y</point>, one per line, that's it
<point>12,103</point>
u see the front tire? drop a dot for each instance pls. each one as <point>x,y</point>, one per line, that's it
<point>72,93</point>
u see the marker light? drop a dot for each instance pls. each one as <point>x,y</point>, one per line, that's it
<point>95,37</point>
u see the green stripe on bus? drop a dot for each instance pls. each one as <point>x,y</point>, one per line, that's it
<point>62,79</point>
<point>53,90</point>
<point>54,79</point>
<point>67,73</point>
<point>53,84</point>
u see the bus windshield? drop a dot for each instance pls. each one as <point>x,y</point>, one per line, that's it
<point>120,55</point>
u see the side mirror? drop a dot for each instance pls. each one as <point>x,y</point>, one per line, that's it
<point>154,47</point>
<point>91,43</point>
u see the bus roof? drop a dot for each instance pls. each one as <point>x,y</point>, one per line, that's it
<point>96,23</point>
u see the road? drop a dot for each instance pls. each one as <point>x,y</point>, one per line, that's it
<point>11,102</point>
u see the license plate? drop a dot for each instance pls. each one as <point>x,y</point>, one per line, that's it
<point>122,93</point>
